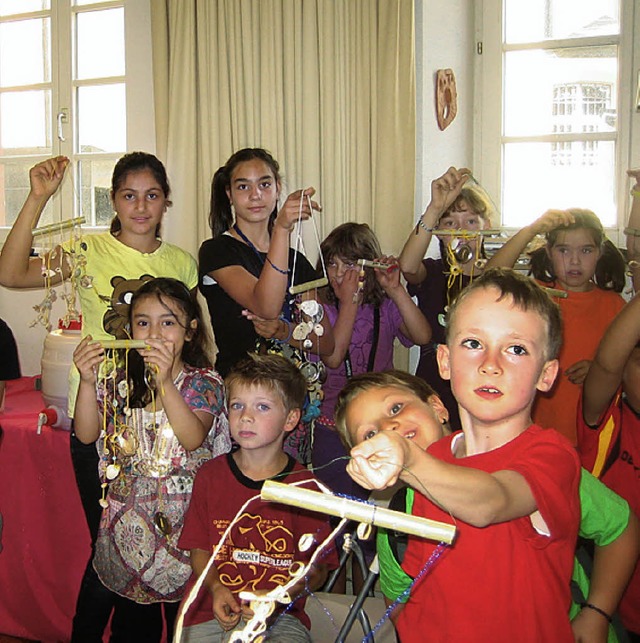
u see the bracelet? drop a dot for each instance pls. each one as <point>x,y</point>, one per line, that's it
<point>273,265</point>
<point>421,224</point>
<point>290,330</point>
<point>632,232</point>
<point>593,607</point>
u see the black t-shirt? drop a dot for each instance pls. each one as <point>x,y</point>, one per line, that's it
<point>235,335</point>
<point>9,362</point>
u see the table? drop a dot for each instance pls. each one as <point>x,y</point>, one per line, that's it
<point>45,539</point>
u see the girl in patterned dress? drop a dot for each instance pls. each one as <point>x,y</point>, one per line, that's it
<point>155,419</point>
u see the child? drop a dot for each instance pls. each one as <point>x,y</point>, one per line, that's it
<point>246,265</point>
<point>152,432</point>
<point>453,206</point>
<point>608,427</point>
<point>578,259</point>
<point>512,488</point>
<point>397,401</point>
<point>367,309</point>
<point>111,265</point>
<point>265,394</point>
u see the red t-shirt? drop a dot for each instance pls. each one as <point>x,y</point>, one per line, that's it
<point>613,447</point>
<point>504,582</point>
<point>263,543</point>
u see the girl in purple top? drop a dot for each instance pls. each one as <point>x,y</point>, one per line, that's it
<point>367,308</point>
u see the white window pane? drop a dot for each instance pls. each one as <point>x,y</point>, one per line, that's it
<point>540,176</point>
<point>11,7</point>
<point>562,90</point>
<point>102,125</point>
<point>537,20</point>
<point>15,179</point>
<point>25,47</point>
<point>24,126</point>
<point>95,190</point>
<point>100,43</point>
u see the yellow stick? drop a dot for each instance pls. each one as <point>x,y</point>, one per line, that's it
<point>309,285</point>
<point>367,263</point>
<point>360,511</point>
<point>122,343</point>
<point>58,227</point>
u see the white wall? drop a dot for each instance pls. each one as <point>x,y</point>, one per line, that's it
<point>445,39</point>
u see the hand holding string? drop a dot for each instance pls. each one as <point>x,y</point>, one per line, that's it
<point>297,206</point>
<point>446,189</point>
<point>45,177</point>
<point>378,462</point>
<point>159,356</point>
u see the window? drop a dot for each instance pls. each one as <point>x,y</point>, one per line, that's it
<point>555,116</point>
<point>82,88</point>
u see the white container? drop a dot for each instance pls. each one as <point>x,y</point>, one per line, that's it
<point>57,358</point>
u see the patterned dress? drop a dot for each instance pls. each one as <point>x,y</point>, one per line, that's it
<point>149,479</point>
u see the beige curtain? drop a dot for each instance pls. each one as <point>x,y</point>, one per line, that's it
<point>326,85</point>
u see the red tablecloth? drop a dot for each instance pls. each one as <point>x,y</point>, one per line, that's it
<point>45,539</point>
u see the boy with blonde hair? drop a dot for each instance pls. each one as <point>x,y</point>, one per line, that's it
<point>511,487</point>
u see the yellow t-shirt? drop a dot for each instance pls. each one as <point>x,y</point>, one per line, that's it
<point>110,273</point>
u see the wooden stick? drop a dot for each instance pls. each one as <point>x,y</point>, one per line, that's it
<point>467,233</point>
<point>359,511</point>
<point>367,263</point>
<point>554,292</point>
<point>309,285</point>
<point>122,343</point>
<point>58,227</point>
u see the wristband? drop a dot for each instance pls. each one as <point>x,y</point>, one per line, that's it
<point>280,270</point>
<point>289,329</point>
<point>593,607</point>
<point>421,224</point>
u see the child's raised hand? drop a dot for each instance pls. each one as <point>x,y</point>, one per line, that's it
<point>552,219</point>
<point>45,177</point>
<point>87,357</point>
<point>292,208</point>
<point>378,462</point>
<point>389,278</point>
<point>159,354</point>
<point>446,188</point>
<point>226,608</point>
<point>578,372</point>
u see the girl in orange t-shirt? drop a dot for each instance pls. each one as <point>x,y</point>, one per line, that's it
<point>579,260</point>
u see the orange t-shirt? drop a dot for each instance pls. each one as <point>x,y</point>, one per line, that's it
<point>585,317</point>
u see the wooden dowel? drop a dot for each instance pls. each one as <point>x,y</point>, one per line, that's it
<point>360,511</point>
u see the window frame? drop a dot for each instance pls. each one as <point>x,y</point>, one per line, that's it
<point>139,96</point>
<point>488,87</point>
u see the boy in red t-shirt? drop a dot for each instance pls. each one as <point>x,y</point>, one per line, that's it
<point>265,394</point>
<point>511,486</point>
